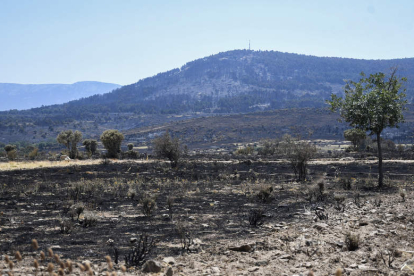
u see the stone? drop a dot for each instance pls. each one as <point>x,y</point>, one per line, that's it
<point>151,266</point>
<point>169,272</point>
<point>320,226</point>
<point>215,270</point>
<point>169,260</point>
<point>253,269</point>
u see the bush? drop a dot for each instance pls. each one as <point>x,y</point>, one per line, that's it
<point>33,154</point>
<point>256,217</point>
<point>351,241</point>
<point>112,139</point>
<point>355,136</point>
<point>140,252</point>
<point>245,151</point>
<point>298,153</point>
<point>166,147</point>
<point>90,145</point>
<point>130,146</point>
<point>70,139</point>
<point>148,205</point>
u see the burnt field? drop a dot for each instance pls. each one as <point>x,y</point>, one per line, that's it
<point>212,216</point>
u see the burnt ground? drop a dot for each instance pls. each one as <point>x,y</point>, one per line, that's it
<point>304,225</point>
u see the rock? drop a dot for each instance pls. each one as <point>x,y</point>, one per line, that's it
<point>320,226</point>
<point>353,266</point>
<point>151,266</point>
<point>261,263</point>
<point>363,223</point>
<point>286,256</point>
<point>215,270</point>
<point>253,269</point>
<point>242,248</point>
<point>133,240</point>
<point>169,260</point>
<point>367,268</point>
<point>308,265</point>
<point>169,272</point>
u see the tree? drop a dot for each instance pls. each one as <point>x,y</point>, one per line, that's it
<point>112,139</point>
<point>372,104</point>
<point>70,139</point>
<point>90,145</point>
<point>11,151</point>
<point>167,147</point>
<point>355,136</point>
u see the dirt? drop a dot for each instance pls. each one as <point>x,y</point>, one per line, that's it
<point>213,202</point>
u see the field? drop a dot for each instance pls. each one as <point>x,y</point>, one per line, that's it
<point>211,216</point>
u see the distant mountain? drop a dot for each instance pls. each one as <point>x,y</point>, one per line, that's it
<point>25,96</point>
<point>238,81</point>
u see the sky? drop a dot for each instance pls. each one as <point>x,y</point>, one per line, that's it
<point>122,41</point>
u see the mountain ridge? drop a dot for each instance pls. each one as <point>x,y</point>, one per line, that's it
<point>26,96</point>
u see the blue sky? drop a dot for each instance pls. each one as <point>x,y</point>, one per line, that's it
<point>122,41</point>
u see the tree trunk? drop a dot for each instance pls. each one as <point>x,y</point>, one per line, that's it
<point>380,174</point>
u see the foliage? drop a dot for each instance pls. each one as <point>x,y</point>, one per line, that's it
<point>355,136</point>
<point>9,147</point>
<point>298,153</point>
<point>372,104</point>
<point>33,154</point>
<point>256,217</point>
<point>70,139</point>
<point>130,146</point>
<point>351,241</point>
<point>167,147</point>
<point>245,151</point>
<point>90,145</point>
<point>148,205</point>
<point>112,139</point>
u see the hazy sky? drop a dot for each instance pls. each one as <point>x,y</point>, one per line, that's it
<point>122,41</point>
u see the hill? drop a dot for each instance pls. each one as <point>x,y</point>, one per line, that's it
<point>26,96</point>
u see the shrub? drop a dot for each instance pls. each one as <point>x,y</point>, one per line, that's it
<point>265,193</point>
<point>70,139</point>
<point>355,136</point>
<point>256,217</point>
<point>9,147</point>
<point>148,205</point>
<point>352,241</point>
<point>112,139</point>
<point>33,154</point>
<point>130,146</point>
<point>12,155</point>
<point>298,153</point>
<point>90,145</point>
<point>167,147</point>
<point>245,151</point>
<point>140,252</point>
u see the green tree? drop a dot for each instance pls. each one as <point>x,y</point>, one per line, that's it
<point>112,139</point>
<point>355,136</point>
<point>372,104</point>
<point>167,147</point>
<point>90,145</point>
<point>11,151</point>
<point>70,139</point>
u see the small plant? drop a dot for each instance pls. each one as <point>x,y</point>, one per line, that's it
<point>403,194</point>
<point>185,236</point>
<point>89,219</point>
<point>351,241</point>
<point>140,251</point>
<point>148,205</point>
<point>170,205</point>
<point>76,210</point>
<point>265,193</point>
<point>377,202</point>
<point>256,217</point>
<point>66,226</point>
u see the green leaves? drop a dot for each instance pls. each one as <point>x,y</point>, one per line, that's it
<point>373,103</point>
